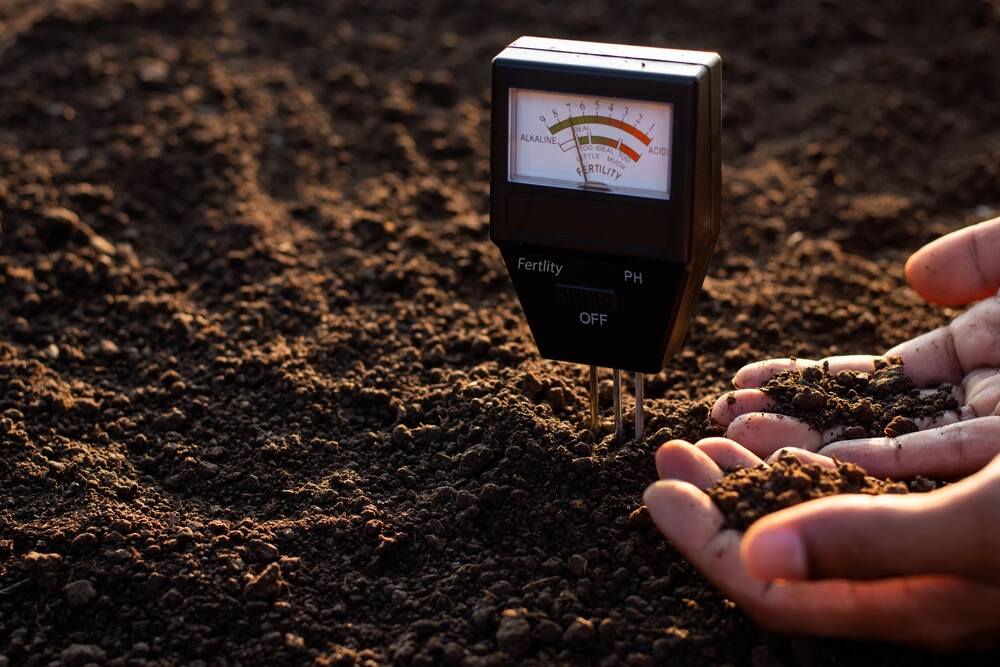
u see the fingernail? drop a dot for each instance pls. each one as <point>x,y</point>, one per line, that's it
<point>777,553</point>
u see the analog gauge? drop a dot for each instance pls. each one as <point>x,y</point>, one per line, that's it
<point>611,145</point>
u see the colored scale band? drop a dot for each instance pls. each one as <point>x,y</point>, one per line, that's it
<point>603,120</point>
<point>628,151</point>
<point>605,141</point>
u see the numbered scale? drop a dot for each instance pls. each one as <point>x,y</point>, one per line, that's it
<point>605,198</point>
<point>603,145</point>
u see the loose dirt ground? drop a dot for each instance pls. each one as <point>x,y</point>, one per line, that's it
<point>267,396</point>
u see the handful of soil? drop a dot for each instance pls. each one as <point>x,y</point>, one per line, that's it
<point>885,402</point>
<point>747,494</point>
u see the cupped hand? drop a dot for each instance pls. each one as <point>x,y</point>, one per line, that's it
<point>917,569</point>
<point>959,268</point>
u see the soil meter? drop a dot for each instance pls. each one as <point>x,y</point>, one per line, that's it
<point>605,198</point>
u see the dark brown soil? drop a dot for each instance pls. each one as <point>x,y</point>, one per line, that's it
<point>267,396</point>
<point>864,405</point>
<point>747,494</point>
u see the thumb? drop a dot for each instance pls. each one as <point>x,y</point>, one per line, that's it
<point>950,531</point>
<point>958,268</point>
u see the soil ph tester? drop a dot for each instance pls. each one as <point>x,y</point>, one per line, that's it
<point>605,198</point>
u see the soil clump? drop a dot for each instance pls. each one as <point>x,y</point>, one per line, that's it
<point>747,494</point>
<point>863,405</point>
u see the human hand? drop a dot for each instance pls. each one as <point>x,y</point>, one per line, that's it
<point>958,268</point>
<point>917,569</point>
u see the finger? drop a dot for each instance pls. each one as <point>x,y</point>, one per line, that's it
<point>971,341</point>
<point>861,363</point>
<point>943,419</point>
<point>680,460</point>
<point>958,268</point>
<point>758,373</point>
<point>929,610</point>
<point>804,456</point>
<point>982,392</point>
<point>833,434</point>
<point>935,612</point>
<point>735,403</point>
<point>728,454</point>
<point>978,380</point>
<point>692,522</point>
<point>951,451</point>
<point>866,537</point>
<point>684,514</point>
<point>762,433</point>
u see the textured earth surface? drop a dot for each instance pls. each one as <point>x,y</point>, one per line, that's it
<point>266,394</point>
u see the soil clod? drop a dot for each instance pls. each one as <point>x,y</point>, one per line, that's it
<point>747,494</point>
<point>864,406</point>
<point>80,593</point>
<point>514,634</point>
<point>265,586</point>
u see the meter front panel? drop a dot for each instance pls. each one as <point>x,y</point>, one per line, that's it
<point>604,198</point>
<point>584,143</point>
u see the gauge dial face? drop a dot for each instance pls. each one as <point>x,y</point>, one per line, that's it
<point>596,144</point>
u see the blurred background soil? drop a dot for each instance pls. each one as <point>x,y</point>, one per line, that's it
<point>266,393</point>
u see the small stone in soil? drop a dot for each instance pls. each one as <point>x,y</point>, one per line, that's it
<point>577,564</point>
<point>579,633</point>
<point>172,598</point>
<point>262,552</point>
<point>900,425</point>
<point>265,586</point>
<point>547,632</point>
<point>514,635</point>
<point>83,543</point>
<point>76,655</point>
<point>80,593</point>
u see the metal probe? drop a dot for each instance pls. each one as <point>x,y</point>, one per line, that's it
<point>639,391</point>
<point>619,429</point>
<point>595,417</point>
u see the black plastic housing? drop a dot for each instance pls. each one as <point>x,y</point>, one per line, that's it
<point>593,309</point>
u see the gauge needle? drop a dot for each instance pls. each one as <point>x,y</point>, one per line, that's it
<point>579,155</point>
